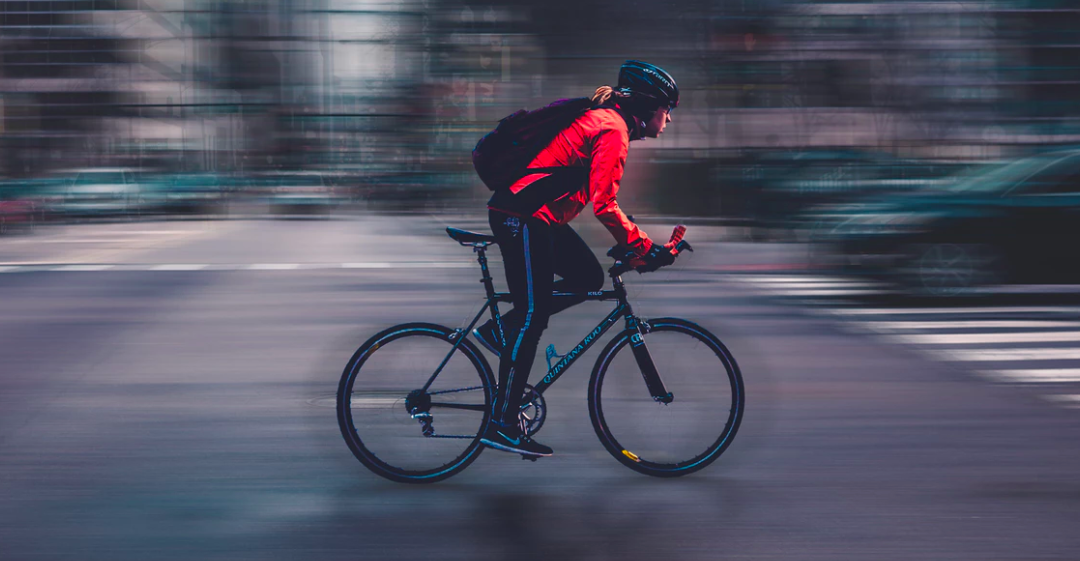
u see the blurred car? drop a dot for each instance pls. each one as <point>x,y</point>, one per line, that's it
<point>24,201</point>
<point>176,194</point>
<point>297,193</point>
<point>1011,223</point>
<point>774,188</point>
<point>96,193</point>
<point>19,209</point>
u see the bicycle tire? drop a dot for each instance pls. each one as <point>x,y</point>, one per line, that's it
<point>402,334</point>
<point>640,461</point>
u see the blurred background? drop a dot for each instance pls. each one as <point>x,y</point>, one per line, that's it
<point>207,206</point>
<point>808,120</point>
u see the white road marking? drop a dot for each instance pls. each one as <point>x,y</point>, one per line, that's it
<point>1049,375</point>
<point>1072,400</point>
<point>1008,355</point>
<point>975,324</point>
<point>955,311</point>
<point>84,240</point>
<point>436,265</point>
<point>179,267</point>
<point>769,279</point>
<point>823,292</point>
<point>10,267</point>
<point>371,265</point>
<point>980,338</point>
<point>83,268</point>
<point>146,232</point>
<point>273,266</point>
<point>371,402</point>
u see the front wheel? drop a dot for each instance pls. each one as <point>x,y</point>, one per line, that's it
<point>399,429</point>
<point>681,437</point>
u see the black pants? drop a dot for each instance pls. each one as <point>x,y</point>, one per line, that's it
<point>533,253</point>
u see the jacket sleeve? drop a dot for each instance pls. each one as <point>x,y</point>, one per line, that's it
<point>608,160</point>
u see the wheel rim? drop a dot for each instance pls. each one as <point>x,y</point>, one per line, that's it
<point>387,437</point>
<point>680,437</point>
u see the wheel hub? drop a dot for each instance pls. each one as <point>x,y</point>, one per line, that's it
<point>417,402</point>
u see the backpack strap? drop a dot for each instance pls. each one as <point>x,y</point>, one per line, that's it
<point>560,182</point>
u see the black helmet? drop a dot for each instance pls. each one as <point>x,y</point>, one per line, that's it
<point>652,87</point>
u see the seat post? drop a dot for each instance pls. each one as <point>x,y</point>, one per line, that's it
<point>481,257</point>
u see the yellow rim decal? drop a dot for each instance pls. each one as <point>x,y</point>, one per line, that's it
<point>631,455</point>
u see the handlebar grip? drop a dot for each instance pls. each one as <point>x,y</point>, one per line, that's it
<point>677,235</point>
<point>623,256</point>
<point>676,239</point>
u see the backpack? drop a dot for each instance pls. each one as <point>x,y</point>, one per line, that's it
<point>501,156</point>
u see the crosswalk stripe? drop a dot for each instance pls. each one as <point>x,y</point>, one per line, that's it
<point>1049,375</point>
<point>979,338</point>
<point>976,324</point>
<point>1008,355</point>
<point>940,331</point>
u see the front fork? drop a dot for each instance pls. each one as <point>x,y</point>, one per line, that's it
<point>645,361</point>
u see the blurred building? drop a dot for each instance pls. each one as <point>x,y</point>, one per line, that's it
<point>392,95</point>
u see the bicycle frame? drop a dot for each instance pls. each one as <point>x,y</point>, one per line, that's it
<point>622,310</point>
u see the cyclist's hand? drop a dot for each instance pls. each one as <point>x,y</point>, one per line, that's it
<point>622,253</point>
<point>658,256</point>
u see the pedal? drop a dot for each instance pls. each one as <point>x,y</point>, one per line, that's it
<point>529,457</point>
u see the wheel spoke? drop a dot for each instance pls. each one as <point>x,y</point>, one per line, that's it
<point>466,406</point>
<point>398,431</point>
<point>680,437</point>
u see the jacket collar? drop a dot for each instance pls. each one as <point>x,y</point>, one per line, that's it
<point>634,126</point>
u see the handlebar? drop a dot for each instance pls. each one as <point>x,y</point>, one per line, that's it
<point>624,258</point>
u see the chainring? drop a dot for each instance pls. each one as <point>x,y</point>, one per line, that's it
<point>533,411</point>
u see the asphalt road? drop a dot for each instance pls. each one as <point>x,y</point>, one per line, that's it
<point>167,393</point>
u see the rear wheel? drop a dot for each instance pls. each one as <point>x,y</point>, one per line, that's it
<point>667,440</point>
<point>401,431</point>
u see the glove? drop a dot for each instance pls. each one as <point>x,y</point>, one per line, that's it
<point>658,256</point>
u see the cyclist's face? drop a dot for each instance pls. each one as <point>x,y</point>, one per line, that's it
<point>660,119</point>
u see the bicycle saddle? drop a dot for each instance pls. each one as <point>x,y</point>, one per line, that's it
<point>467,237</point>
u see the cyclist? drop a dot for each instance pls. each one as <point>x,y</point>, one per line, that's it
<point>530,222</point>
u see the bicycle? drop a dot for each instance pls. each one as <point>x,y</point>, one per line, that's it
<point>626,414</point>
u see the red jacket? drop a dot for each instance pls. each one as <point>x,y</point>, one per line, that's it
<point>598,139</point>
